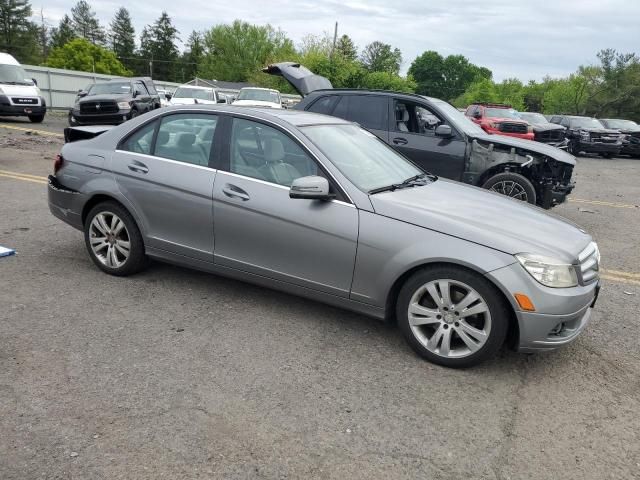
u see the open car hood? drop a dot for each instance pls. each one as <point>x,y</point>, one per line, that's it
<point>300,78</point>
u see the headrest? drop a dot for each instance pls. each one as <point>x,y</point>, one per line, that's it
<point>185,139</point>
<point>206,134</point>
<point>163,138</point>
<point>402,114</point>
<point>273,150</point>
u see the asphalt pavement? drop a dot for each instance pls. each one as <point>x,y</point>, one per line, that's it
<point>179,374</point>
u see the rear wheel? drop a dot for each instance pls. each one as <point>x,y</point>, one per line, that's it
<point>36,118</point>
<point>512,185</point>
<point>451,316</point>
<point>113,240</point>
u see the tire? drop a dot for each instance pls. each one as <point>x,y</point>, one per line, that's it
<point>606,155</point>
<point>134,113</point>
<point>571,148</point>
<point>100,223</point>
<point>512,185</point>
<point>445,318</point>
<point>36,118</point>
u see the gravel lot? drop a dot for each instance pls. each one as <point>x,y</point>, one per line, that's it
<point>178,374</point>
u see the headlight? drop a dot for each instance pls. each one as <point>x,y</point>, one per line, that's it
<point>549,271</point>
<point>124,105</point>
<point>492,124</point>
<point>529,129</point>
<point>584,135</point>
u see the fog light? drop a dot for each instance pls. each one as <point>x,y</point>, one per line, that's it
<point>525,302</point>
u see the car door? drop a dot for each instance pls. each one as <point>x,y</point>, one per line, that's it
<point>163,169</point>
<point>142,97</point>
<point>260,230</point>
<point>413,133</point>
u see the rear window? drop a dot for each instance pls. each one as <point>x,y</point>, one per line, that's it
<point>369,111</point>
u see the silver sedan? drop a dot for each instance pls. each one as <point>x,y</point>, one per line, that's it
<point>319,207</point>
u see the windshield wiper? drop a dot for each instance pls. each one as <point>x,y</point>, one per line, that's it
<point>409,182</point>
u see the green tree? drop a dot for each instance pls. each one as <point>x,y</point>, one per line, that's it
<point>445,77</point>
<point>381,57</point>
<point>388,81</point>
<point>86,24</point>
<point>63,33</point>
<point>80,54</point>
<point>238,51</point>
<point>483,90</point>
<point>122,37</point>
<point>192,56</point>
<point>346,48</point>
<point>158,44</point>
<point>18,35</point>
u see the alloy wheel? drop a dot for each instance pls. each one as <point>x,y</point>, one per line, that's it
<point>449,318</point>
<point>109,239</point>
<point>511,189</point>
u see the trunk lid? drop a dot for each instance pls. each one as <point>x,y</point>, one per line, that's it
<point>301,78</point>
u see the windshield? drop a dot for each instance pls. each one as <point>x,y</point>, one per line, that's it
<point>111,88</point>
<point>622,124</point>
<point>584,122</point>
<point>533,117</point>
<point>458,119</point>
<point>259,95</point>
<point>14,75</point>
<point>186,92</point>
<point>364,159</point>
<point>501,113</point>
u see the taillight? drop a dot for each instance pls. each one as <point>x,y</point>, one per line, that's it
<point>57,164</point>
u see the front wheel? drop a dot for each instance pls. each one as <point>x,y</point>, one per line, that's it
<point>512,185</point>
<point>451,316</point>
<point>36,118</point>
<point>113,240</point>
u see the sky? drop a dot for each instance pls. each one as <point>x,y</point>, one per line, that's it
<point>525,39</point>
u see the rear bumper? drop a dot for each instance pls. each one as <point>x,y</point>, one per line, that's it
<point>65,204</point>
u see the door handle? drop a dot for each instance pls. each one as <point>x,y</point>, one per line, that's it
<point>139,167</point>
<point>400,141</point>
<point>232,191</point>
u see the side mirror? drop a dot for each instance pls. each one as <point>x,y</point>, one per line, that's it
<point>311,188</point>
<point>222,100</point>
<point>82,93</point>
<point>477,115</point>
<point>168,96</point>
<point>444,131</point>
<point>35,82</point>
<point>135,94</point>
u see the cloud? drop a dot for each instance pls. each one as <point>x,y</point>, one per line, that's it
<point>527,40</point>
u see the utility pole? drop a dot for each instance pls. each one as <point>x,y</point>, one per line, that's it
<point>151,66</point>
<point>335,38</point>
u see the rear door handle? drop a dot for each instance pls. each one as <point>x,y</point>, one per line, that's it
<point>400,141</point>
<point>139,167</point>
<point>232,191</point>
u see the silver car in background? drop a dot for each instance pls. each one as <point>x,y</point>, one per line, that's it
<point>318,207</point>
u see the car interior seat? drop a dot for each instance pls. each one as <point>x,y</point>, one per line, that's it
<point>402,118</point>
<point>275,168</point>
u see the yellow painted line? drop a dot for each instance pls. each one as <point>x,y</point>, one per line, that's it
<point>24,179</point>
<point>20,174</point>
<point>620,279</point>
<point>603,204</point>
<point>23,129</point>
<point>618,273</point>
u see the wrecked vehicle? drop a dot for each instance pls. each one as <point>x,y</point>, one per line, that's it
<point>440,139</point>
<point>631,132</point>
<point>588,135</point>
<point>544,131</point>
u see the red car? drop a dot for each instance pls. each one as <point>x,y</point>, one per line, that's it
<point>499,119</point>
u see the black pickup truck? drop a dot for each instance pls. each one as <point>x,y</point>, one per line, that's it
<point>439,138</point>
<point>588,135</point>
<point>631,132</point>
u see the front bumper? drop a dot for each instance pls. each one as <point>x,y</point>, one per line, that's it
<point>524,136</point>
<point>77,118</point>
<point>10,109</point>
<point>561,314</point>
<point>631,148</point>
<point>598,147</point>
<point>553,195</point>
<point>563,144</point>
<point>65,204</point>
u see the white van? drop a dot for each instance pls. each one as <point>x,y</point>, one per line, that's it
<point>19,95</point>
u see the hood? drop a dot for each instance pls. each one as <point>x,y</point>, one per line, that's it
<point>300,78</point>
<point>191,101</point>
<point>535,147</point>
<point>257,103</point>
<point>117,97</point>
<point>483,217</point>
<point>506,119</point>
<point>20,90</point>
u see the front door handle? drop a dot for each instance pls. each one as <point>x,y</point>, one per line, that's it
<point>232,191</point>
<point>400,141</point>
<point>139,167</point>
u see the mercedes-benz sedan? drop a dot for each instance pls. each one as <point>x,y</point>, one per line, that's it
<point>316,206</point>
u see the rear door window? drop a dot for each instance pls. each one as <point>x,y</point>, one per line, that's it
<point>140,141</point>
<point>370,111</point>
<point>324,105</point>
<point>186,138</point>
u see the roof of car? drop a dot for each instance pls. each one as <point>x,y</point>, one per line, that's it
<point>363,91</point>
<point>297,118</point>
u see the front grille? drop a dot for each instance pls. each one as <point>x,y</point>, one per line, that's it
<point>98,107</point>
<point>24,101</point>
<point>512,127</point>
<point>634,137</point>
<point>605,137</point>
<point>549,136</point>
<point>589,264</point>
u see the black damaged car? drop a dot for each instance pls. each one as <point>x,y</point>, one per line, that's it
<point>544,131</point>
<point>440,139</point>
<point>114,102</point>
<point>588,135</point>
<point>631,132</point>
